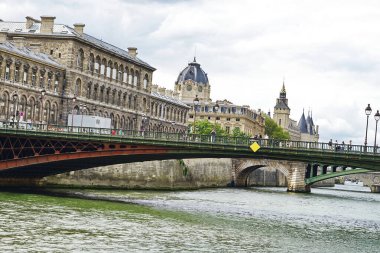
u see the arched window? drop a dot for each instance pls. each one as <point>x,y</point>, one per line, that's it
<point>56,81</point>
<point>88,93</point>
<point>34,75</point>
<point>145,84</point>
<point>8,68</point>
<point>97,64</point>
<point>125,75</point>
<point>109,69</point>
<point>103,67</point>
<point>78,87</point>
<point>80,58</point>
<point>91,63</point>
<point>130,77</point>
<point>42,78</point>
<point>115,69</point>
<point>120,73</point>
<point>95,94</point>
<point>25,74</point>
<point>136,78</point>
<point>17,71</point>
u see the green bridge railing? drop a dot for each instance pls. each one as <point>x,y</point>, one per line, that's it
<point>83,132</point>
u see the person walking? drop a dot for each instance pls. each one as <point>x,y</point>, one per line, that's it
<point>213,135</point>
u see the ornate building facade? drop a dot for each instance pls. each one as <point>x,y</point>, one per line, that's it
<point>192,83</point>
<point>305,130</point>
<point>79,74</point>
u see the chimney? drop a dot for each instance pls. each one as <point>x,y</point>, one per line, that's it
<point>154,88</point>
<point>30,21</point>
<point>78,27</point>
<point>47,24</point>
<point>3,37</point>
<point>132,51</point>
<point>35,47</point>
<point>19,42</point>
<point>169,93</point>
<point>161,90</point>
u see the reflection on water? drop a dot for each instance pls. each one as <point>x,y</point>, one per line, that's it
<point>215,220</point>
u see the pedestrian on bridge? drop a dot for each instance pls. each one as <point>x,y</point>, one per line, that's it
<point>213,135</point>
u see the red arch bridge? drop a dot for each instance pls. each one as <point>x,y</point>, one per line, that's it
<point>27,155</point>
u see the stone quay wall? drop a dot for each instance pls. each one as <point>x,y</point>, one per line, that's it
<point>168,174</point>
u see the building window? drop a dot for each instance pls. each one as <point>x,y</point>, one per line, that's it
<point>191,116</point>
<point>7,72</point>
<point>279,122</point>
<point>217,118</point>
<point>25,77</point>
<point>34,79</point>
<point>209,117</point>
<point>228,119</point>
<point>237,119</point>
<point>228,129</point>
<point>17,76</point>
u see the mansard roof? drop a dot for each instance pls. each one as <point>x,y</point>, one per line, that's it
<point>61,30</point>
<point>26,52</point>
<point>169,99</point>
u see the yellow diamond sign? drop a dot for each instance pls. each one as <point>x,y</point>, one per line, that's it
<point>255,146</point>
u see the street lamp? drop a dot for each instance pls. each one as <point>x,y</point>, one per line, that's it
<point>43,92</point>
<point>15,106</point>
<point>196,103</point>
<point>368,111</point>
<point>83,108</point>
<point>72,113</point>
<point>377,117</point>
<point>216,109</point>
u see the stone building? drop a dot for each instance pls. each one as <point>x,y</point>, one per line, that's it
<point>79,74</point>
<point>305,130</point>
<point>192,83</point>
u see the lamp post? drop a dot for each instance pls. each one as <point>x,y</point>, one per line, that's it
<point>15,106</point>
<point>83,107</point>
<point>72,113</point>
<point>216,109</point>
<point>196,103</point>
<point>368,111</point>
<point>143,122</point>
<point>43,92</point>
<point>377,117</point>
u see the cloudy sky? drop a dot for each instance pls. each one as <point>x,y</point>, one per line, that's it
<point>328,52</point>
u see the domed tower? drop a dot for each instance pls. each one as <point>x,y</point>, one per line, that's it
<point>192,82</point>
<point>281,112</point>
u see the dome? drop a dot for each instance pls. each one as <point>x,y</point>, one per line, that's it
<point>193,72</point>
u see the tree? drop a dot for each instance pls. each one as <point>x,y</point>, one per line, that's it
<point>238,133</point>
<point>274,131</point>
<point>205,127</point>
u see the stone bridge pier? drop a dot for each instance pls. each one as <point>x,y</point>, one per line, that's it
<point>293,171</point>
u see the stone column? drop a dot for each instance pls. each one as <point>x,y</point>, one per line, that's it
<point>296,179</point>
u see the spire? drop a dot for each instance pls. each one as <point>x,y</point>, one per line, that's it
<point>283,91</point>
<point>194,59</point>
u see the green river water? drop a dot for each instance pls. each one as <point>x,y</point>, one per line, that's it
<point>212,220</point>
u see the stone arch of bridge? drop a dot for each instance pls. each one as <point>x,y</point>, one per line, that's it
<point>243,168</point>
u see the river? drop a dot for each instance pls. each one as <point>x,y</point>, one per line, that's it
<point>212,220</point>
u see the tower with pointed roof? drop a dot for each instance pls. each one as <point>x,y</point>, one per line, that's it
<point>304,130</point>
<point>281,113</point>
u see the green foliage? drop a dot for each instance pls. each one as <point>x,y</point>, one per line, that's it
<point>274,131</point>
<point>238,133</point>
<point>205,127</point>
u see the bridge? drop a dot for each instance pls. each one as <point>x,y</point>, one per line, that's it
<point>29,153</point>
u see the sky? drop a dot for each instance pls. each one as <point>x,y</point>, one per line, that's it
<point>326,52</point>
